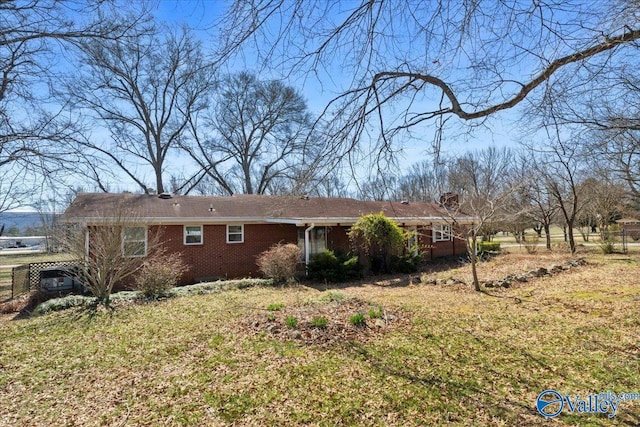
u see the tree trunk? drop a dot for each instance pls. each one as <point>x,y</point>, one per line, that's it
<point>572,241</point>
<point>547,234</point>
<point>159,183</point>
<point>474,261</point>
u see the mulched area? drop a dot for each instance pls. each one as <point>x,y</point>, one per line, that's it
<point>339,328</point>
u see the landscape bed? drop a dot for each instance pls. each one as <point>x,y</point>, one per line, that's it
<point>449,355</point>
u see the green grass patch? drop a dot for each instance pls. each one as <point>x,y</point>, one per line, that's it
<point>357,319</point>
<point>291,322</point>
<point>275,307</point>
<point>376,312</point>
<point>319,322</point>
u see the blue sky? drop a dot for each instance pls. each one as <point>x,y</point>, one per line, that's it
<point>202,15</point>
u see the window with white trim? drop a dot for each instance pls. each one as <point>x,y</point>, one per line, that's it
<point>134,242</point>
<point>441,232</point>
<point>192,234</point>
<point>235,233</point>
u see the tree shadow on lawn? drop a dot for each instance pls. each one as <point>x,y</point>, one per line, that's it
<point>501,405</point>
<point>451,389</point>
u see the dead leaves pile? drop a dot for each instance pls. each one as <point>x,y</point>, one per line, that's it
<point>337,309</point>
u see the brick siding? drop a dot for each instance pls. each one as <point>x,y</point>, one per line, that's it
<point>217,259</point>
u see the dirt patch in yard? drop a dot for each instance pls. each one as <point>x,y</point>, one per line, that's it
<point>328,320</point>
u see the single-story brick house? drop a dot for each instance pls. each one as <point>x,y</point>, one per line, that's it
<point>221,237</point>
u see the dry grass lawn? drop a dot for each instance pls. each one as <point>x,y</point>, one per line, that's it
<point>427,354</point>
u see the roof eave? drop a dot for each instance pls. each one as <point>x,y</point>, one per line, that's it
<point>318,221</point>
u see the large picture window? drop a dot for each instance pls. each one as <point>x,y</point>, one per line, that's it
<point>441,233</point>
<point>134,241</point>
<point>235,233</point>
<point>193,235</point>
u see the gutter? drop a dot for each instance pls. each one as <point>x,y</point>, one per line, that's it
<point>307,241</point>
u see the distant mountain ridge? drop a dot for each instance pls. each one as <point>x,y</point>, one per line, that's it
<point>22,220</point>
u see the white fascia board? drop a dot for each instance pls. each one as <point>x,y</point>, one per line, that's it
<point>171,220</point>
<point>321,222</point>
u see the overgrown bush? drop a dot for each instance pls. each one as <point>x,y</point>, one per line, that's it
<point>57,304</point>
<point>218,286</point>
<point>159,274</point>
<point>333,267</point>
<point>280,262</point>
<point>379,239</point>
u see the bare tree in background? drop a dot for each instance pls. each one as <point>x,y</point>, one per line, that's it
<point>256,137</point>
<point>424,182</point>
<point>618,152</point>
<point>377,188</point>
<point>483,211</point>
<point>399,65</point>
<point>145,92</point>
<point>483,181</point>
<point>604,202</point>
<point>37,39</point>
<point>479,176</point>
<point>599,101</point>
<point>537,203</point>
<point>561,167</point>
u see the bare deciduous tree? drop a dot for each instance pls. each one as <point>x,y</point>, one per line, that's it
<point>424,182</point>
<point>145,91</point>
<point>36,39</point>
<point>409,63</point>
<point>538,204</point>
<point>482,212</point>
<point>481,177</point>
<point>258,137</point>
<point>604,202</point>
<point>560,168</point>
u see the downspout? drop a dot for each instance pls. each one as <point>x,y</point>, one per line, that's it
<point>86,244</point>
<point>307,244</point>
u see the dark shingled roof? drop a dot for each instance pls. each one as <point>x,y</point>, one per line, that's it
<point>88,207</point>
